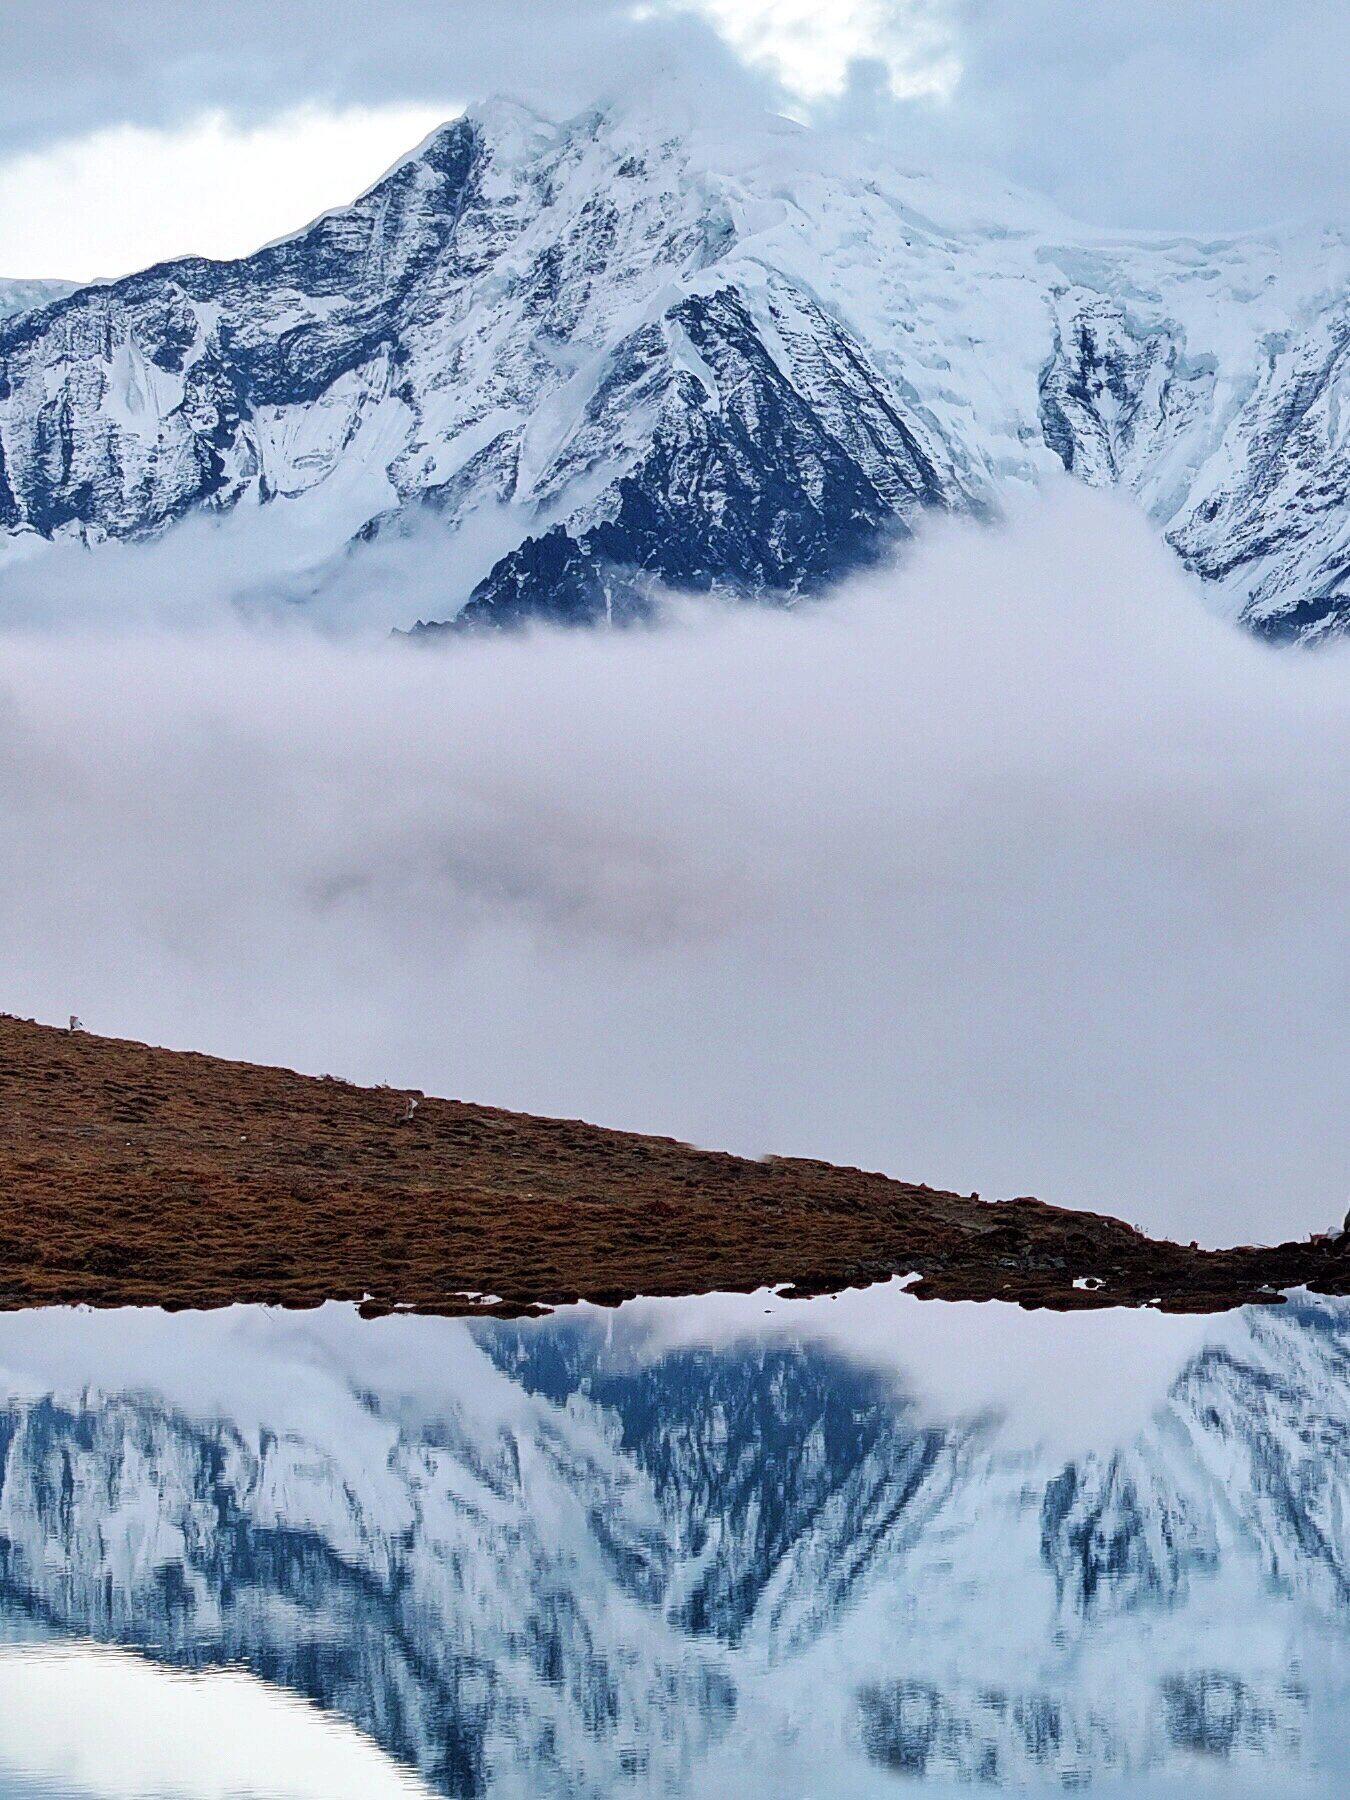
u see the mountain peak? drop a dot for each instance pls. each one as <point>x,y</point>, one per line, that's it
<point>606,354</point>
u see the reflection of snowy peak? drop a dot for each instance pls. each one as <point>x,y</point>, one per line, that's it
<point>598,354</point>
<point>470,1589</point>
<point>568,1565</point>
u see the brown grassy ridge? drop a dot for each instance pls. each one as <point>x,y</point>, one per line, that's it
<point>138,1176</point>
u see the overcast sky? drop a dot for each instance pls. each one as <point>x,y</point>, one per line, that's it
<point>154,127</point>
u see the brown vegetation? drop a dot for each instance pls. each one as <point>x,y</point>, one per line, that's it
<point>137,1176</point>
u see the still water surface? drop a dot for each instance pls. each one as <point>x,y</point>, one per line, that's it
<point>734,1546</point>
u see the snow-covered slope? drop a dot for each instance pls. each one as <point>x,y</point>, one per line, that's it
<point>607,352</point>
<point>550,1560</point>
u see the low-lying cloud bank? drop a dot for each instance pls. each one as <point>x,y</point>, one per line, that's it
<point>1009,868</point>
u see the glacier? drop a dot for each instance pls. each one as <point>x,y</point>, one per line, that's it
<point>574,1556</point>
<point>611,355</point>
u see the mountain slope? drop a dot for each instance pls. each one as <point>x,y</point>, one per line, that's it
<point>135,1176</point>
<point>604,354</point>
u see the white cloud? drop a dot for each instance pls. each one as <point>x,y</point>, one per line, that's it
<point>1198,115</point>
<point>132,195</point>
<point>810,47</point>
<point>1008,869</point>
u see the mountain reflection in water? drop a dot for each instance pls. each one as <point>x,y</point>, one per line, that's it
<point>737,1546</point>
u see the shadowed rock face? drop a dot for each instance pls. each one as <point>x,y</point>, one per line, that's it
<point>732,367</point>
<point>757,495</point>
<point>556,1558</point>
<point>135,1176</point>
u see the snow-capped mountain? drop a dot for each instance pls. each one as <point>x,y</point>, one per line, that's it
<point>552,1560</point>
<point>604,353</point>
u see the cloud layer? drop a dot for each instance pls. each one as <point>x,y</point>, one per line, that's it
<point>1197,115</point>
<point>1202,115</point>
<point>1007,869</point>
<point>157,62</point>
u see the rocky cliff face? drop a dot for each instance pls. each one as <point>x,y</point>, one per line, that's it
<point>545,1559</point>
<point>603,355</point>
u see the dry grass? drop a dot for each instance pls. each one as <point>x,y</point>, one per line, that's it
<point>137,1176</point>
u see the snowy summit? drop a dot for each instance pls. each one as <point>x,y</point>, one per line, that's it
<point>605,353</point>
